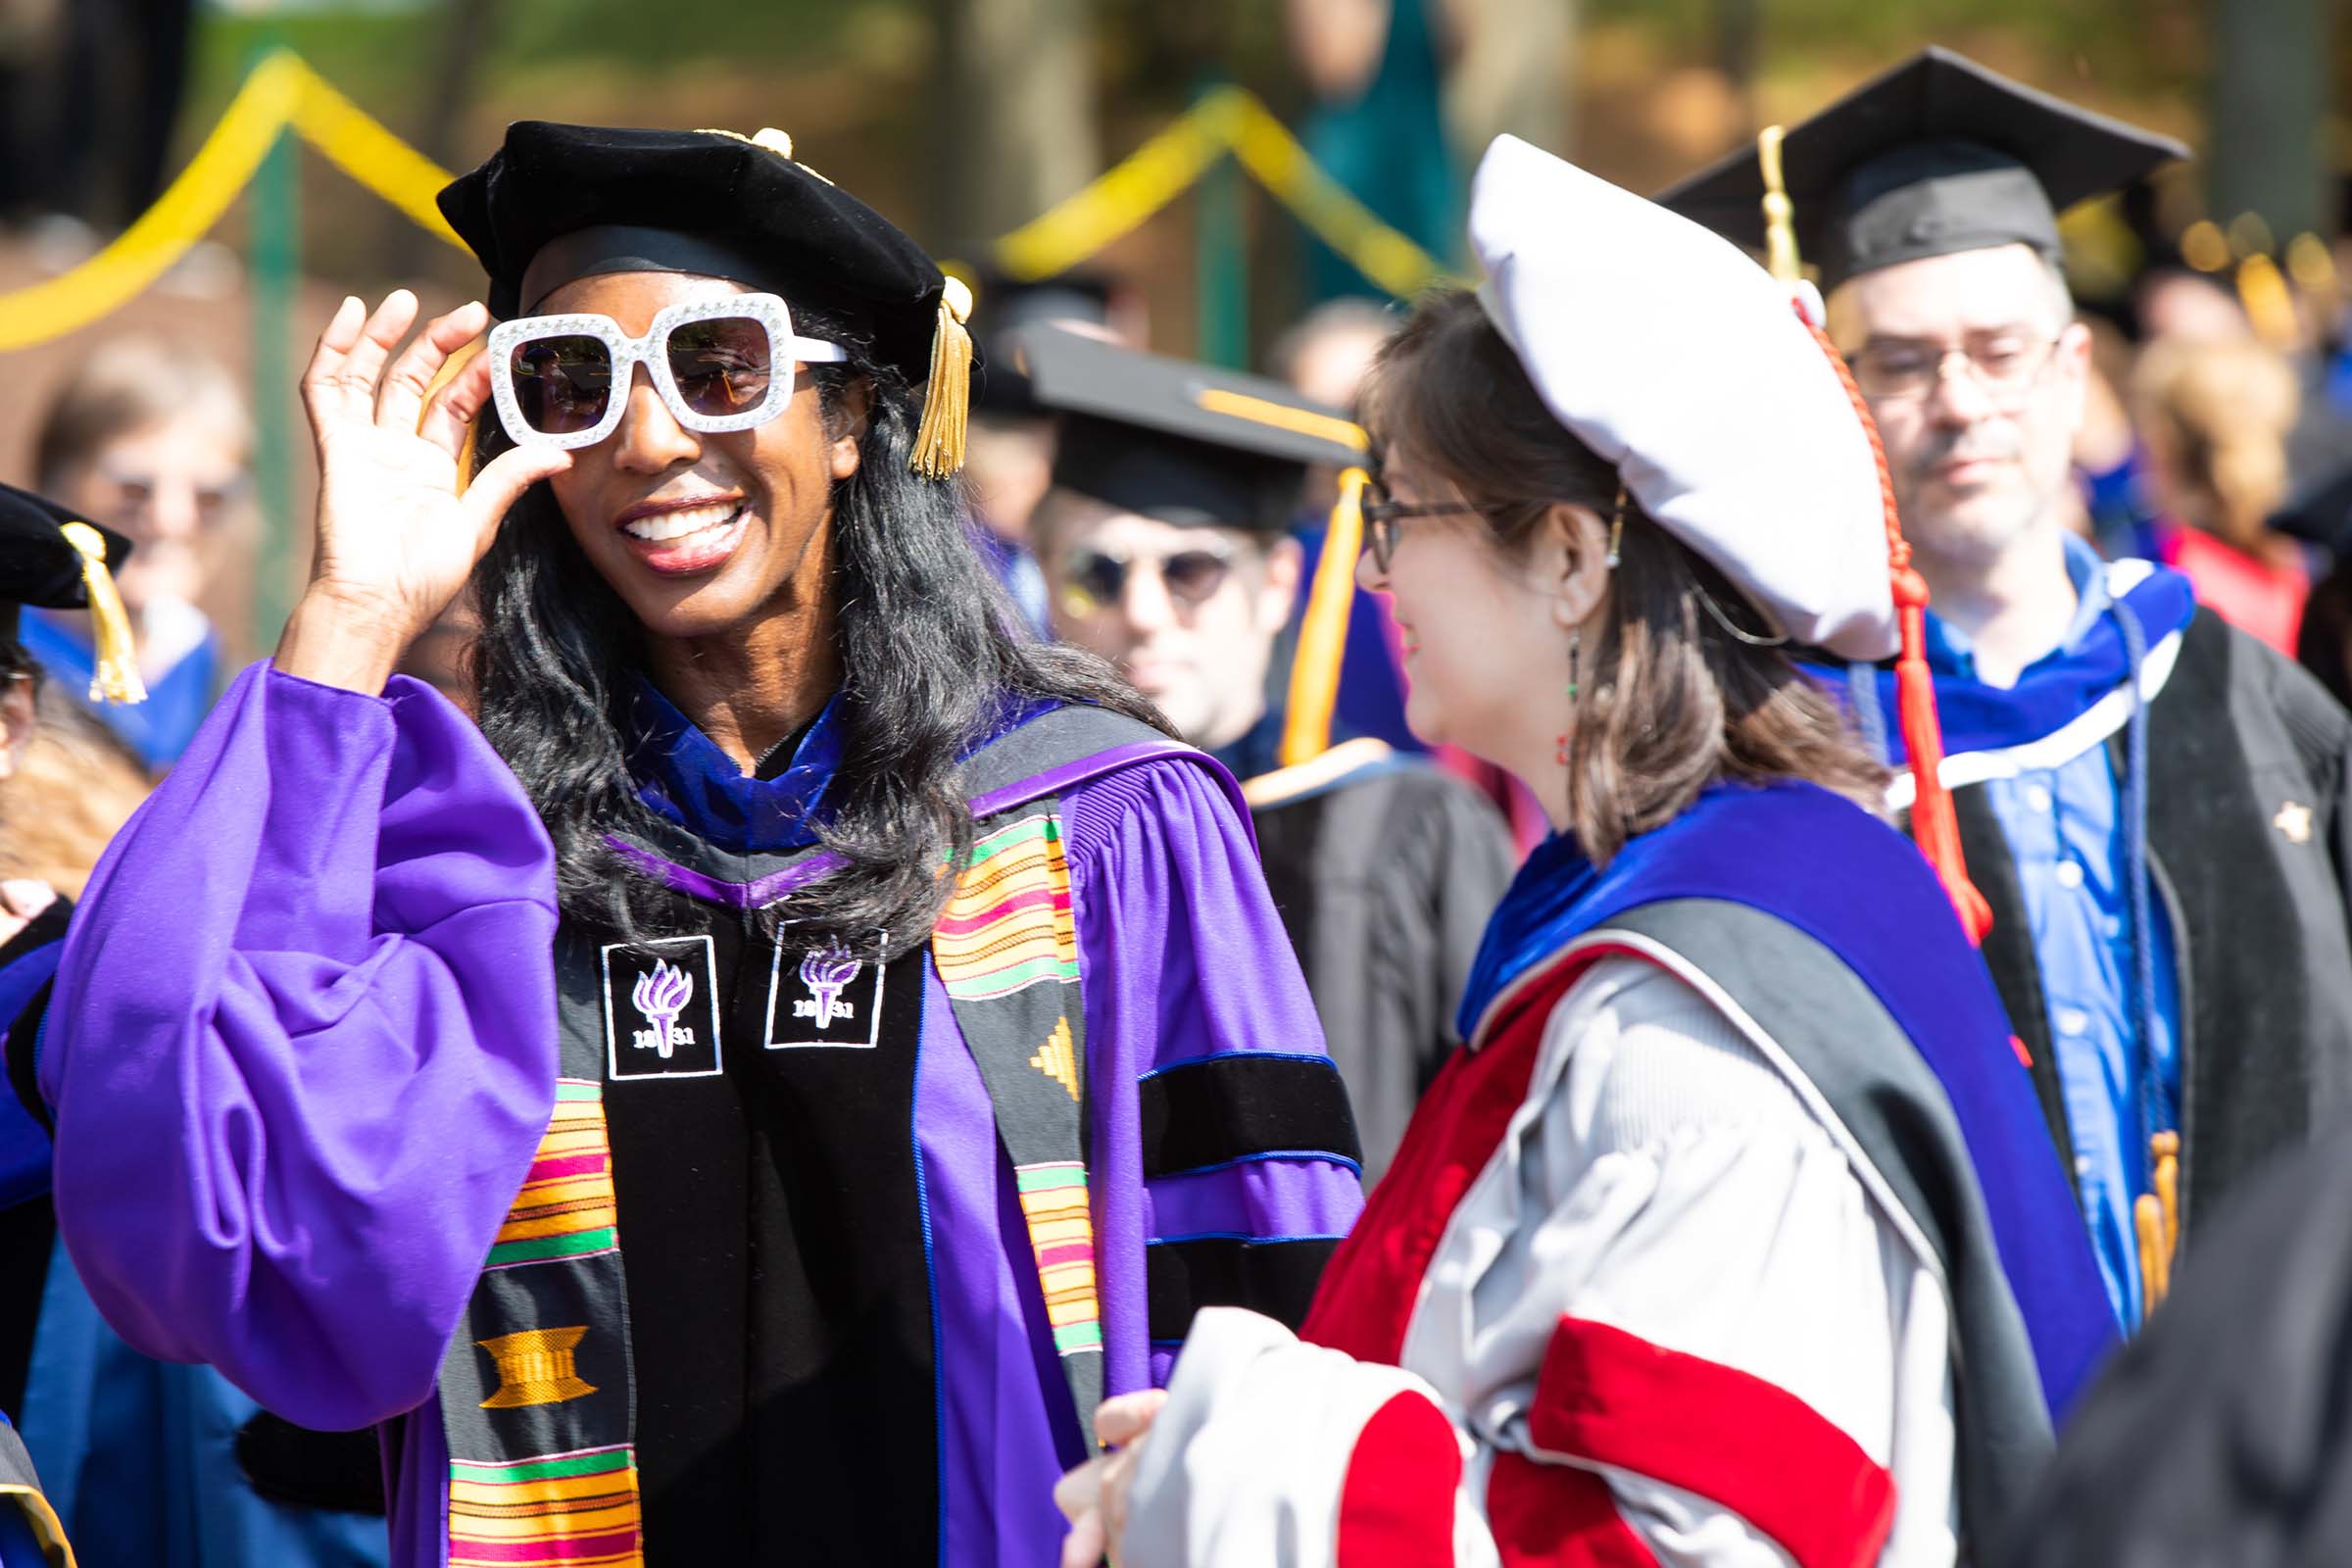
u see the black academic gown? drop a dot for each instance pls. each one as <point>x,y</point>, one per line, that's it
<point>2218,1436</point>
<point>1384,869</point>
<point>2249,839</point>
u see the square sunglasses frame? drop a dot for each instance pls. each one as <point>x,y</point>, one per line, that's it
<point>652,352</point>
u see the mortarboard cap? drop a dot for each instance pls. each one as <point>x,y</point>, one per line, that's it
<point>1176,441</point>
<point>1190,445</point>
<point>555,203</point>
<point>1937,156</point>
<point>1007,307</point>
<point>53,559</point>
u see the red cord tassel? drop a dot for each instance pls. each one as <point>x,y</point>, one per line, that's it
<point>1933,822</point>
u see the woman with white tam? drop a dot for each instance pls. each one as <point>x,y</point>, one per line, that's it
<point>1733,1234</point>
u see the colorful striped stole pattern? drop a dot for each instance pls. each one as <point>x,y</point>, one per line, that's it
<point>569,1511</point>
<point>1007,926</point>
<point>1062,1233</point>
<point>566,1209</point>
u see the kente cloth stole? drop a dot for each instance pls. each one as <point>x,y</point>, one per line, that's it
<point>537,1391</point>
<point>1007,948</point>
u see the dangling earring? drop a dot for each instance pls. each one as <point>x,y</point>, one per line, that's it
<point>1576,648</point>
<point>1616,527</point>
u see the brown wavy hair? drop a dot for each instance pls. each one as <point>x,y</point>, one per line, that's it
<point>1671,702</point>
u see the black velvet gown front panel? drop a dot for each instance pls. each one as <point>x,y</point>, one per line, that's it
<point>772,1234</point>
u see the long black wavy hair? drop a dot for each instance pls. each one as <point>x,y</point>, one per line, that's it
<point>930,652</point>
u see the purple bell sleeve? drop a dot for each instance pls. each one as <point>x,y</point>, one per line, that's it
<point>1222,1141</point>
<point>302,1046</point>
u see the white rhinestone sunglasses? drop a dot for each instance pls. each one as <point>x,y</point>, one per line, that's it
<point>718,364</point>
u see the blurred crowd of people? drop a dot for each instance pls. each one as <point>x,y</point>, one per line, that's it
<point>1212,562</point>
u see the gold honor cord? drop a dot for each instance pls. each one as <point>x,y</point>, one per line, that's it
<point>2156,1217</point>
<point>1323,633</point>
<point>47,1529</point>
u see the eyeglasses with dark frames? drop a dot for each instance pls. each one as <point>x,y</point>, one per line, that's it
<point>1382,512</point>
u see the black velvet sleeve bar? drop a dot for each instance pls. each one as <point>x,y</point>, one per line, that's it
<point>1276,1278</point>
<point>1244,1106</point>
<point>24,1032</point>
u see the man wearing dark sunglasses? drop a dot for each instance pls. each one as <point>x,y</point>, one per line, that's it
<point>1166,544</point>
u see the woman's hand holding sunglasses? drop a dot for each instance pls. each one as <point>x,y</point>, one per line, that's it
<point>399,529</point>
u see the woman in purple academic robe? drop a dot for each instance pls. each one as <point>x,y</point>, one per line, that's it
<point>747,1098</point>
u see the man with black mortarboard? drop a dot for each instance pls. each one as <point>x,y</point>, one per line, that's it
<point>2153,804</point>
<point>1166,550</point>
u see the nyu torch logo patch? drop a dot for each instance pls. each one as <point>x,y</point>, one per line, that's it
<point>825,975</point>
<point>661,1012</point>
<point>662,995</point>
<point>830,997</point>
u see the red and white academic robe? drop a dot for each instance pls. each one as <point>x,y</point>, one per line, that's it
<point>1675,1316</point>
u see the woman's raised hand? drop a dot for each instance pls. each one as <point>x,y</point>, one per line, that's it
<point>399,530</point>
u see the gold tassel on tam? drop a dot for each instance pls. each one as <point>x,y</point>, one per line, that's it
<point>1779,213</point>
<point>948,396</point>
<point>117,678</point>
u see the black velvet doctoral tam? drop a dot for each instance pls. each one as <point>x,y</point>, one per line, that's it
<point>704,201</point>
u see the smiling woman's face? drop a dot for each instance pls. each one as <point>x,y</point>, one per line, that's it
<point>701,533</point>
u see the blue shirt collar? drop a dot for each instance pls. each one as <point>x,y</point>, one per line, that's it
<point>1949,652</point>
<point>682,775</point>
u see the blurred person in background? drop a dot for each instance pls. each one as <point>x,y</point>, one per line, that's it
<point>90,95</point>
<point>1325,354</point>
<point>2154,804</point>
<point>74,787</point>
<point>1167,547</point>
<point>151,1462</point>
<point>1009,454</point>
<point>152,438</point>
<point>2215,418</point>
<point>1374,70</point>
<point>2178,304</point>
<point>49,559</point>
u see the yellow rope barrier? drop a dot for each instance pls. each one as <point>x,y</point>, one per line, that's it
<point>357,143</point>
<point>1123,196</point>
<point>281,92</point>
<point>284,93</point>
<point>1228,120</point>
<point>147,249</point>
<point>1272,155</point>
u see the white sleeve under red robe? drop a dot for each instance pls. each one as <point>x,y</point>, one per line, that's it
<point>1674,1319</point>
